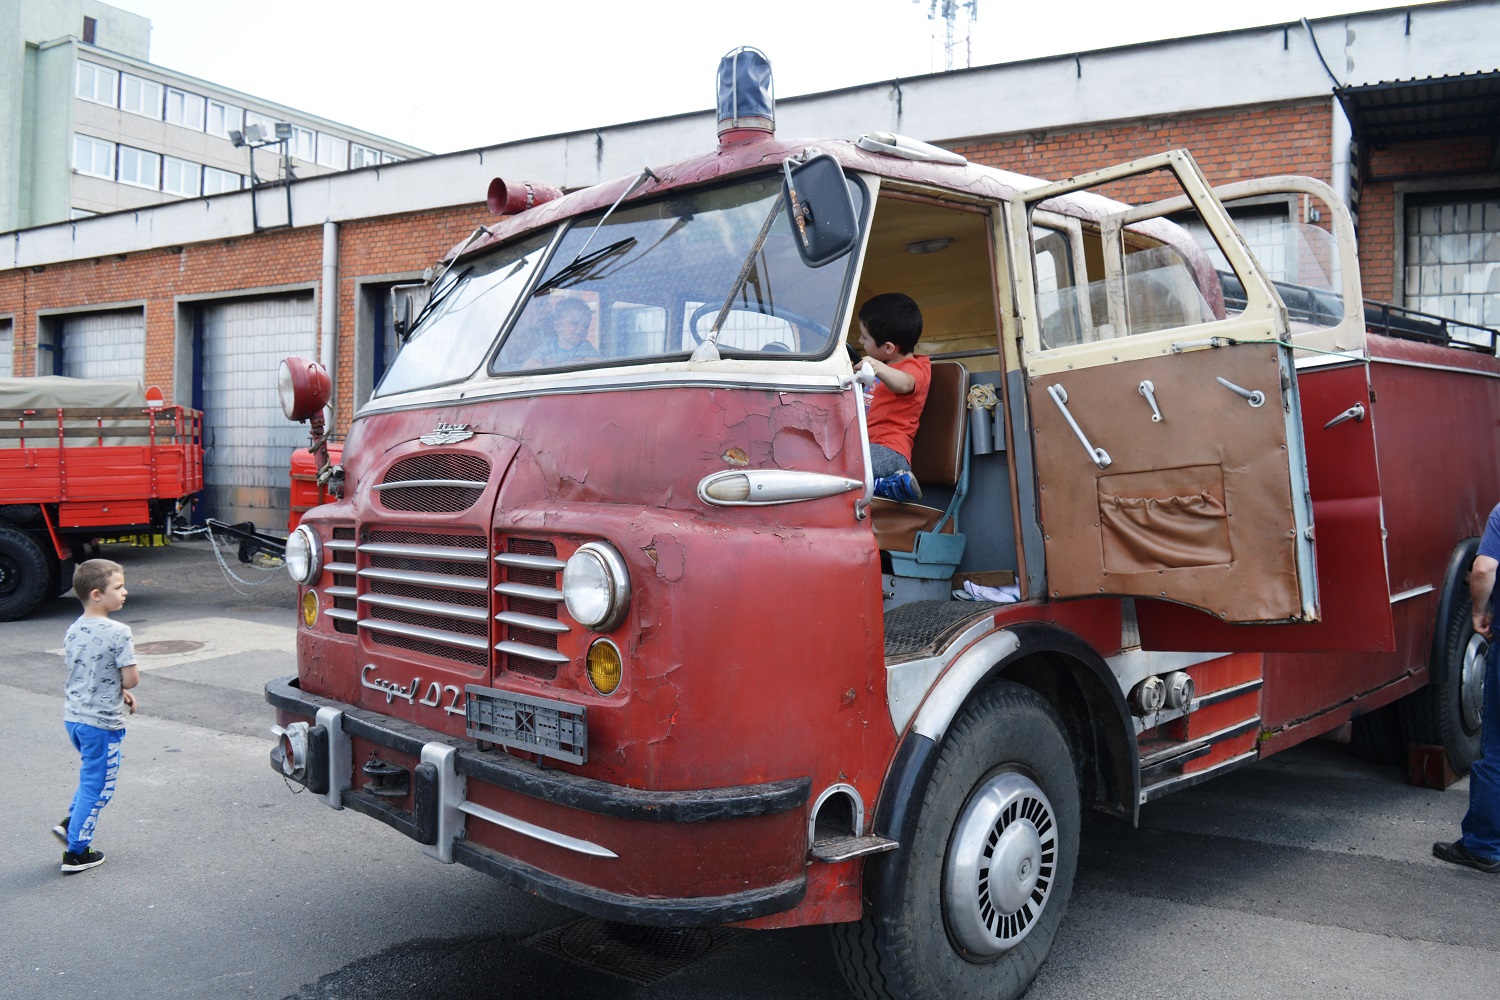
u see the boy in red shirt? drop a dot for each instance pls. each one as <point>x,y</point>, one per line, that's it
<point>889,327</point>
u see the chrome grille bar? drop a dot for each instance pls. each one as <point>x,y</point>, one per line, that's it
<point>544,563</point>
<point>340,567</point>
<point>342,592</point>
<point>429,634</point>
<point>536,622</point>
<point>425,607</point>
<point>339,545</point>
<point>442,581</point>
<point>528,591</point>
<point>424,552</point>
<point>531,652</point>
<point>463,484</point>
<point>342,614</point>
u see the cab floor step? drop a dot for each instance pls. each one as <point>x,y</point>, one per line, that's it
<point>843,848</point>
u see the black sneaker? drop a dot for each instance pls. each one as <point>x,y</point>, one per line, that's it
<point>82,861</point>
<point>1457,854</point>
<point>60,831</point>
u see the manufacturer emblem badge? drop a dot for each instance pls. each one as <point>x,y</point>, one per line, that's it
<point>447,434</point>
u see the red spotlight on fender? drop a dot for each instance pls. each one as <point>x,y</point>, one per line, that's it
<point>304,388</point>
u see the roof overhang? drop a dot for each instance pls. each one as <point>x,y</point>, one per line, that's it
<point>1444,107</point>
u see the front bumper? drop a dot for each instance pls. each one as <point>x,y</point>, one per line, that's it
<point>439,803</point>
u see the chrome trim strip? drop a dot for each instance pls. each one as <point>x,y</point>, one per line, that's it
<point>441,581</point>
<point>1437,368</point>
<point>342,614</point>
<point>340,567</point>
<point>906,684</point>
<point>764,487</point>
<point>1214,697</point>
<point>527,590</point>
<point>530,562</point>
<point>426,607</point>
<point>441,552</point>
<point>532,621</point>
<point>341,544</point>
<point>532,652</point>
<point>463,484</point>
<point>951,690</point>
<point>1161,788</point>
<point>1407,595</point>
<point>342,591</point>
<point>1230,732</point>
<point>429,634</point>
<point>526,829</point>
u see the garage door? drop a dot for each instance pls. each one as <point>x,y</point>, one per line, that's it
<point>1453,259</point>
<point>104,345</point>
<point>7,348</point>
<point>249,443</point>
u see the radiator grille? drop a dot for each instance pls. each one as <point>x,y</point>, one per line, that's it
<point>528,621</point>
<point>426,592</point>
<point>341,550</point>
<point>442,482</point>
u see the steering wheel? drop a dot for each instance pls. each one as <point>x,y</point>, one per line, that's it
<point>765,309</point>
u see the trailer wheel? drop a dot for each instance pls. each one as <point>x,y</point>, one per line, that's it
<point>1446,712</point>
<point>23,574</point>
<point>990,867</point>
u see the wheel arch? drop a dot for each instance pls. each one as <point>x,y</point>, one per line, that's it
<point>1069,675</point>
<point>1454,577</point>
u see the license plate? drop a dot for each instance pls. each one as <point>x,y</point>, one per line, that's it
<point>551,728</point>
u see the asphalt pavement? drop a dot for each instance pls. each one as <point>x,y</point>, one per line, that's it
<point>1305,876</point>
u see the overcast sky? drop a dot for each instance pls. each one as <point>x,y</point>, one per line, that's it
<point>457,74</point>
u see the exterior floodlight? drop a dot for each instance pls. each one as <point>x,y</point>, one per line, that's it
<point>304,388</point>
<point>254,133</point>
<point>238,138</point>
<point>283,131</point>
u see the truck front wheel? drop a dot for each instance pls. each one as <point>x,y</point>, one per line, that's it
<point>1446,712</point>
<point>990,867</point>
<point>23,573</point>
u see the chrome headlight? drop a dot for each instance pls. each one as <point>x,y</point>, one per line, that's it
<point>596,586</point>
<point>304,555</point>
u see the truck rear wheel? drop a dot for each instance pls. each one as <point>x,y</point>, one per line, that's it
<point>23,573</point>
<point>990,867</point>
<point>1446,712</point>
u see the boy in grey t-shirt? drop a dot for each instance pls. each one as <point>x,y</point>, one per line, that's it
<point>101,668</point>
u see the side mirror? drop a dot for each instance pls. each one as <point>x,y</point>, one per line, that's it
<point>406,305</point>
<point>817,194</point>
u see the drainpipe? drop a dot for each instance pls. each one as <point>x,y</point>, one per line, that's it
<point>1343,138</point>
<point>328,345</point>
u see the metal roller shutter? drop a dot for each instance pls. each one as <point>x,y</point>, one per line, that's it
<point>7,348</point>
<point>105,345</point>
<point>246,473</point>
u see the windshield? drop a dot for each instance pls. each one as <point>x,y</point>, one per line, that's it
<point>652,282</point>
<point>458,326</point>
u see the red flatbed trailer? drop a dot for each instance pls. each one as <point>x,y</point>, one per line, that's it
<point>72,473</point>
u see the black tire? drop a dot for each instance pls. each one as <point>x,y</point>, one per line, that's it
<point>1007,746</point>
<point>23,574</point>
<point>1440,713</point>
<point>1378,737</point>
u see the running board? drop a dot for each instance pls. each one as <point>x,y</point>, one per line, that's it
<point>836,849</point>
<point>1182,781</point>
<point>1168,758</point>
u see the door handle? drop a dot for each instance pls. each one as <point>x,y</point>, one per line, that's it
<point>1355,413</point>
<point>1149,391</point>
<point>1255,396</point>
<point>1099,456</point>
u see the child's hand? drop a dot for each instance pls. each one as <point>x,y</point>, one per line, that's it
<point>130,702</point>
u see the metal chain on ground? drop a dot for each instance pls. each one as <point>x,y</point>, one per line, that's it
<point>229,574</point>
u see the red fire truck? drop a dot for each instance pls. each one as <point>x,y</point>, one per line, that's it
<point>80,459</point>
<point>614,617</point>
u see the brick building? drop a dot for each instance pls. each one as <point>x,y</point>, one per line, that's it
<point>1398,109</point>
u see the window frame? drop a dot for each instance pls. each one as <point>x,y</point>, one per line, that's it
<point>96,143</point>
<point>372,155</point>
<point>137,153</point>
<point>94,74</point>
<point>216,172</point>
<point>190,169</point>
<point>187,97</point>
<point>142,107</point>
<point>224,107</point>
<point>333,141</point>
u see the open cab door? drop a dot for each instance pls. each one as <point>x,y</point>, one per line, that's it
<point>1303,237</point>
<point>1166,424</point>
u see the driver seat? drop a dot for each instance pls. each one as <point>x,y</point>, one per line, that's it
<point>939,457</point>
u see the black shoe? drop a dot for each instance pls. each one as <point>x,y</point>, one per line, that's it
<point>60,831</point>
<point>82,861</point>
<point>1457,854</point>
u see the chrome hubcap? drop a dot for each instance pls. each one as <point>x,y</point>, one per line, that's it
<point>1001,864</point>
<point>1471,683</point>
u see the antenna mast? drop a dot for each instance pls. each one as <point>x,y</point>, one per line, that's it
<point>951,12</point>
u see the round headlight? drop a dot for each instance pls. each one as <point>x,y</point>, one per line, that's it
<point>304,555</point>
<point>596,586</point>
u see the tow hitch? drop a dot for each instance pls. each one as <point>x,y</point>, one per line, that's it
<point>252,542</point>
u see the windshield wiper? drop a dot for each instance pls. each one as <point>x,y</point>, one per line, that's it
<point>433,300</point>
<point>582,265</point>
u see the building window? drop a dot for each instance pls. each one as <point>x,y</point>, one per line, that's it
<point>333,152</point>
<point>266,123</point>
<point>90,26</point>
<point>392,158</point>
<point>304,143</point>
<point>94,157</point>
<point>1453,258</point>
<point>141,97</point>
<point>96,83</point>
<point>362,156</point>
<point>180,177</point>
<point>140,168</point>
<point>185,109</point>
<point>224,118</point>
<point>216,181</point>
